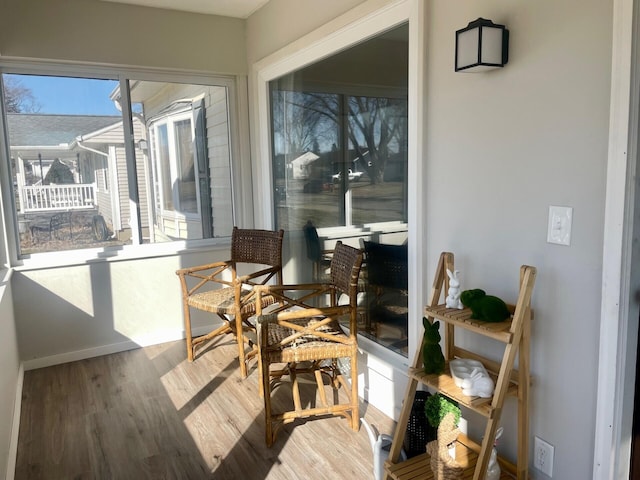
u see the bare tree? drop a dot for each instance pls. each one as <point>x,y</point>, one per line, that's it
<point>375,123</point>
<point>18,98</point>
<point>298,124</point>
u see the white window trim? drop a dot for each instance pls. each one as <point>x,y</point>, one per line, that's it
<point>239,152</point>
<point>170,120</point>
<point>619,310</point>
<point>364,21</point>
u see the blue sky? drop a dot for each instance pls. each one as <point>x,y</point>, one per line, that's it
<point>79,96</point>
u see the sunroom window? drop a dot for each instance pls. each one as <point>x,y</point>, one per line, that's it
<point>339,164</point>
<point>77,184</point>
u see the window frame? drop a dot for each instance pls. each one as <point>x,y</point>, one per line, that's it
<point>238,131</point>
<point>365,21</point>
<point>169,121</point>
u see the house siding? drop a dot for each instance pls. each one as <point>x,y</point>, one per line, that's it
<point>218,148</point>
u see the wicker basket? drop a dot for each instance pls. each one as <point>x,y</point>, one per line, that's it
<point>419,432</point>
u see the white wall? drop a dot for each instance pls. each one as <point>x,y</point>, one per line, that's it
<point>501,147</point>
<point>102,307</point>
<point>10,379</point>
<point>114,33</point>
<point>281,22</point>
<point>504,146</point>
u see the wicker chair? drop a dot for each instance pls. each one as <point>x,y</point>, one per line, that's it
<point>387,293</point>
<point>297,338</point>
<point>220,289</point>
<point>320,258</point>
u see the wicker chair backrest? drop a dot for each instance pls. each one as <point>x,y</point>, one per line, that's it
<point>257,246</point>
<point>345,268</point>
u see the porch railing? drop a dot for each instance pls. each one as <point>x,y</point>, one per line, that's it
<point>40,198</point>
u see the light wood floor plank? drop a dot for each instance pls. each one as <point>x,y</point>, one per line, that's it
<point>149,414</point>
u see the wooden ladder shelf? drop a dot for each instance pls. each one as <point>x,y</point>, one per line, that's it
<point>515,334</point>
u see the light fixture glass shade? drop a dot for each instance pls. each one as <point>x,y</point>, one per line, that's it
<point>481,45</point>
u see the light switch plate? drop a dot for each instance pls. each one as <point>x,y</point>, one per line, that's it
<point>559,229</point>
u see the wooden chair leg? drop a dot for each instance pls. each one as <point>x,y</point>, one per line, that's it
<point>187,332</point>
<point>355,404</point>
<point>266,388</point>
<point>240,340</point>
<point>261,390</point>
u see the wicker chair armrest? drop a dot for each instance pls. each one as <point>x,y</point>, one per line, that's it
<point>246,279</point>
<point>302,313</point>
<point>286,297</point>
<point>267,289</point>
<point>203,275</point>
<point>199,268</point>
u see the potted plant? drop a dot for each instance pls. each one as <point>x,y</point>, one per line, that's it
<point>435,409</point>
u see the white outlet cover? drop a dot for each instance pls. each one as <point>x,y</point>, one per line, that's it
<point>559,228</point>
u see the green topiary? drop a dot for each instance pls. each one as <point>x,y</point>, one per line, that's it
<point>432,357</point>
<point>437,406</point>
<point>484,307</point>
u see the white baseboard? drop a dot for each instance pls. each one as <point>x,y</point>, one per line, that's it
<point>144,341</point>
<point>15,427</point>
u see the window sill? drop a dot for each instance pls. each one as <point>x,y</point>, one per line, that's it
<point>114,254</point>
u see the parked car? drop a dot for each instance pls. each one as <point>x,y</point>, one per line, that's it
<point>352,176</point>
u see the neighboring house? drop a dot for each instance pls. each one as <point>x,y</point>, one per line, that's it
<point>301,166</point>
<point>92,147</point>
<point>102,158</point>
<point>37,139</point>
<point>188,148</point>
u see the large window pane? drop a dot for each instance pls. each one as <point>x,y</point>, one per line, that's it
<point>189,172</point>
<point>339,134</point>
<point>377,171</point>
<point>305,137</point>
<point>73,181</point>
<point>64,137</point>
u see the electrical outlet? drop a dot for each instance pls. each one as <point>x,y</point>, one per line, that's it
<point>543,456</point>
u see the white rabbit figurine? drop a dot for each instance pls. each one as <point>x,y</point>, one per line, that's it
<point>453,295</point>
<point>493,469</point>
<point>477,385</point>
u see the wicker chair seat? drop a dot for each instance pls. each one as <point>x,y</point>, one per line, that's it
<point>305,347</point>
<point>222,301</point>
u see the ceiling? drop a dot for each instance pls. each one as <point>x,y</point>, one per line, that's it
<point>226,8</point>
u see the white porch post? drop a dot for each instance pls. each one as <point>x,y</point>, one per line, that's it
<point>21,179</point>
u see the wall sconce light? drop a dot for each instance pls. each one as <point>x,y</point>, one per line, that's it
<point>482,45</point>
<point>143,145</point>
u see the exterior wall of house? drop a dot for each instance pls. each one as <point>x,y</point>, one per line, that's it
<point>217,106</point>
<point>120,34</point>
<point>219,151</point>
<point>104,196</point>
<point>112,140</point>
<point>501,147</point>
<point>10,377</point>
<point>123,189</point>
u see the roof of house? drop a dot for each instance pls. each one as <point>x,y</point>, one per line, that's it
<point>35,129</point>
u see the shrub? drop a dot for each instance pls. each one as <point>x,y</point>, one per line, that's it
<point>437,406</point>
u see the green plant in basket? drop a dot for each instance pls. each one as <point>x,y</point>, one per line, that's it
<point>437,406</point>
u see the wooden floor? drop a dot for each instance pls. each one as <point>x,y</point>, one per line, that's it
<point>149,414</point>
